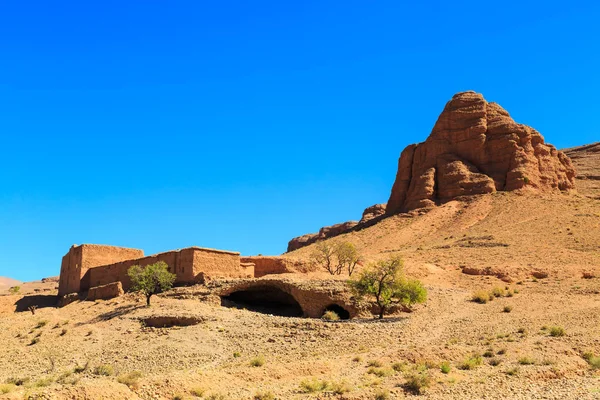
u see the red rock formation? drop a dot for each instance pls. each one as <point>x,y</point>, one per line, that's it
<point>372,212</point>
<point>324,233</point>
<point>475,147</point>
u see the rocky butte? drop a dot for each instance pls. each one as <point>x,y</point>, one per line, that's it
<point>475,147</point>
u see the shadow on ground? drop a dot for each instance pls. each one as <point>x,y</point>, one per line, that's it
<point>36,300</point>
<point>117,312</point>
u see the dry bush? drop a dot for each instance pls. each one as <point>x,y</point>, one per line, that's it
<point>480,296</point>
<point>330,316</point>
<point>130,379</point>
<point>471,362</point>
<point>313,385</point>
<point>258,361</point>
<point>264,396</point>
<point>417,382</point>
<point>557,331</point>
<point>588,275</point>
<point>104,370</point>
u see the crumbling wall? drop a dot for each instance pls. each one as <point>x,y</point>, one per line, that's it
<point>76,263</point>
<point>109,291</point>
<point>266,265</point>
<point>117,272</point>
<point>211,263</point>
<point>190,265</point>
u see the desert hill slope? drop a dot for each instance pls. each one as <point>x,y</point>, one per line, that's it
<point>6,283</point>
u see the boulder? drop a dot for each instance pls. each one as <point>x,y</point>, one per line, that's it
<point>474,148</point>
<point>103,292</point>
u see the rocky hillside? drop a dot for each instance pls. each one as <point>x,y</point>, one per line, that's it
<point>474,148</point>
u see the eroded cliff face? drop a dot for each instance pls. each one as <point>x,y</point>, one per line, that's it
<point>475,147</point>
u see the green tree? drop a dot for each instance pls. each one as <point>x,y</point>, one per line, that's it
<point>385,282</point>
<point>151,279</point>
<point>336,257</point>
<point>347,257</point>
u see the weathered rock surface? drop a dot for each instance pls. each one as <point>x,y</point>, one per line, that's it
<point>324,233</point>
<point>103,292</point>
<point>586,160</point>
<point>475,147</point>
<point>372,212</point>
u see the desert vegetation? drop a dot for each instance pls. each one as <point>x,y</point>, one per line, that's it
<point>152,279</point>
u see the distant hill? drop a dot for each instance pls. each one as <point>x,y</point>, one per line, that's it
<point>6,283</point>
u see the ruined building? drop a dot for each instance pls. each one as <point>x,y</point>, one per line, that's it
<point>90,265</point>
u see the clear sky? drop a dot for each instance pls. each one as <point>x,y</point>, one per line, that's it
<point>241,124</point>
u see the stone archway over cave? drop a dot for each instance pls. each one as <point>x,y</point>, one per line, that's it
<point>264,299</point>
<point>339,310</point>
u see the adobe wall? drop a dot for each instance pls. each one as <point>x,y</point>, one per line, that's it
<point>211,263</point>
<point>75,264</point>
<point>190,265</point>
<point>265,265</point>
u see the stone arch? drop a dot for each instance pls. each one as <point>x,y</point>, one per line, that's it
<point>264,298</point>
<point>339,310</point>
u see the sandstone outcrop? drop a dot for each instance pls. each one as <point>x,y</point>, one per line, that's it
<point>372,212</point>
<point>324,233</point>
<point>475,147</point>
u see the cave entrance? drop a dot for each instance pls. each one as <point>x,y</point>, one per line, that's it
<point>265,300</point>
<point>339,310</point>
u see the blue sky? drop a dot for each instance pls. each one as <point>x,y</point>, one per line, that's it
<point>239,125</point>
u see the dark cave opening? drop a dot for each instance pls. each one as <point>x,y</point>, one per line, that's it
<point>265,300</point>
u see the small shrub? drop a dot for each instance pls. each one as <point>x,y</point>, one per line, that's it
<point>494,362</point>
<point>35,340</point>
<point>501,351</point>
<point>340,387</point>
<point>512,371</point>
<point>480,296</point>
<point>498,292</point>
<point>131,379</point>
<point>382,395</point>
<point>445,367</point>
<point>216,396</point>
<point>380,372</point>
<point>522,331</point>
<point>14,289</point>
<point>237,354</point>
<point>592,360</point>
<point>178,397</point>
<point>6,388</point>
<point>313,385</point>
<point>330,316</point>
<point>67,378</point>
<point>63,332</point>
<point>264,396</point>
<point>357,359</point>
<point>17,381</point>
<point>43,382</point>
<point>258,361</point>
<point>557,331</point>
<point>488,353</point>
<point>507,309</point>
<point>516,291</point>
<point>526,360</point>
<point>417,382</point>
<point>104,370</point>
<point>471,362</point>
<point>375,363</point>
<point>79,370</point>
<point>399,367</point>
<point>198,392</point>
